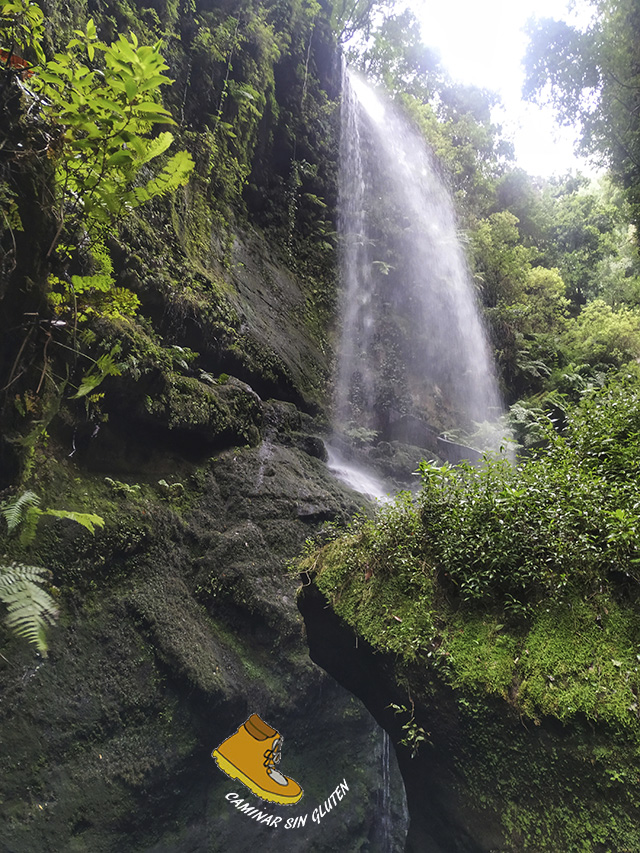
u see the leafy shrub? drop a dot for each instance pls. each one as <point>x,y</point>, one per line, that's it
<point>506,537</point>
<point>567,518</point>
<point>604,335</point>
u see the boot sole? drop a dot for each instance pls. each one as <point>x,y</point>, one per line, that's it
<point>232,771</point>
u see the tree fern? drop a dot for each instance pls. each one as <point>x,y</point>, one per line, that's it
<point>29,607</point>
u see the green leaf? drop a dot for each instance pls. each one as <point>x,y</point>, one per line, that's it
<point>157,146</point>
<point>131,88</point>
<point>108,104</point>
<point>154,113</point>
<point>152,107</point>
<point>154,82</point>
<point>87,519</point>
<point>105,366</point>
<point>119,158</point>
<point>175,173</point>
<point>28,532</point>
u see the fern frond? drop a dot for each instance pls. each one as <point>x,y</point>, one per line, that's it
<point>86,519</point>
<point>30,522</point>
<point>157,146</point>
<point>30,608</point>
<point>175,174</point>
<point>14,510</point>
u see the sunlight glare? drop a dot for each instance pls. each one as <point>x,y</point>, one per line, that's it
<point>483,44</point>
<point>367,97</point>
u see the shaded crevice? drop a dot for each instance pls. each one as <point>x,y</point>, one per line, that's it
<point>439,820</point>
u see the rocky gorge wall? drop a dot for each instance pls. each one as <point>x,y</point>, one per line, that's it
<point>202,455</point>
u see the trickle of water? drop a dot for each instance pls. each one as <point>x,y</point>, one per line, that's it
<point>411,337</point>
<point>385,806</point>
<point>264,454</point>
<point>356,476</point>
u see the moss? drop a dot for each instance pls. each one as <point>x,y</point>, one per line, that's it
<point>480,653</point>
<point>553,789</point>
<point>185,403</point>
<point>547,730</point>
<point>583,659</point>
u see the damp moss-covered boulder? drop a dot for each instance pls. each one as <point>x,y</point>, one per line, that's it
<point>228,410</point>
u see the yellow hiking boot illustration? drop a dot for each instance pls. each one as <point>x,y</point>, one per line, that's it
<point>250,756</point>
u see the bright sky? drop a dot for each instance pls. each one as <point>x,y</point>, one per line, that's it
<point>482,42</point>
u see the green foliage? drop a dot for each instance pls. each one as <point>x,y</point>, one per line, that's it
<point>94,295</point>
<point>24,510</point>
<point>122,488</point>
<point>171,490</point>
<point>591,77</point>
<point>414,735</point>
<point>105,116</point>
<point>501,263</point>
<point>545,300</point>
<point>30,608</point>
<point>396,57</point>
<point>349,17</point>
<point>88,520</point>
<point>22,28</point>
<point>602,335</point>
<point>528,424</point>
<point>519,535</point>
<point>106,365</point>
<point>585,233</point>
<point>14,511</point>
<point>361,435</point>
<point>481,572</point>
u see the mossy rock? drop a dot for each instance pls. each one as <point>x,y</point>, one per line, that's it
<point>228,411</point>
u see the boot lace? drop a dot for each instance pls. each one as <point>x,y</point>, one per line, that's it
<point>271,758</point>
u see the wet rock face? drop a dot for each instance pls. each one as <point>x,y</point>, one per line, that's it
<point>445,813</point>
<point>486,779</point>
<point>179,621</point>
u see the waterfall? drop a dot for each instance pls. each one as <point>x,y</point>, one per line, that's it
<point>412,342</point>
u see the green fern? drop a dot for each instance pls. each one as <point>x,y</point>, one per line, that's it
<point>29,523</point>
<point>175,174</point>
<point>86,519</point>
<point>14,511</point>
<point>29,607</point>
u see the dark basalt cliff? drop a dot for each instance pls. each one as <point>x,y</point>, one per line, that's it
<point>178,619</point>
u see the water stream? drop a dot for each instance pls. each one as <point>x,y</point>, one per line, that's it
<point>412,351</point>
<point>385,805</point>
<point>357,476</point>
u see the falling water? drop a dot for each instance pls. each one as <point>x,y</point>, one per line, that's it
<point>356,476</point>
<point>385,806</point>
<point>411,340</point>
